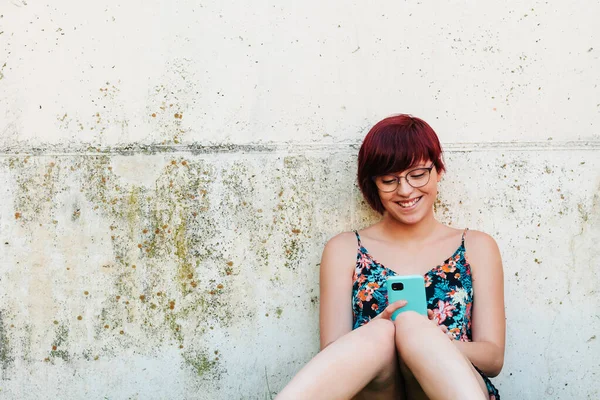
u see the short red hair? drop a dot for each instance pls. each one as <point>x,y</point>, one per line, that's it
<point>395,144</point>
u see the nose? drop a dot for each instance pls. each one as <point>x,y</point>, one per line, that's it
<point>404,189</point>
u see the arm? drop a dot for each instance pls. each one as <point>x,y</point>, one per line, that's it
<point>486,351</point>
<point>335,285</point>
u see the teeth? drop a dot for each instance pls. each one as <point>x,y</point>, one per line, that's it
<point>409,203</point>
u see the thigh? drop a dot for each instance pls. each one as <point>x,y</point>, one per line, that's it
<point>482,384</point>
<point>413,389</point>
<point>348,365</point>
<point>388,383</point>
<point>440,370</point>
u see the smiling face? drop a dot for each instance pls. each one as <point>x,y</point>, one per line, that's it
<point>407,204</point>
<point>395,146</point>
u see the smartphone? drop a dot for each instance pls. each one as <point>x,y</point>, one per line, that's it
<point>410,288</point>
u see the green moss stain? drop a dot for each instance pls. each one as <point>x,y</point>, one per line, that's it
<point>292,254</point>
<point>59,344</point>
<point>263,254</point>
<point>583,212</point>
<point>37,181</point>
<point>151,229</point>
<point>133,210</point>
<point>174,326</point>
<point>278,312</point>
<point>6,358</point>
<point>201,363</point>
<point>185,270</point>
<point>171,232</point>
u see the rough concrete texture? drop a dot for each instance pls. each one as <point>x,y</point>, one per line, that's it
<point>181,71</point>
<point>174,275</point>
<point>170,171</point>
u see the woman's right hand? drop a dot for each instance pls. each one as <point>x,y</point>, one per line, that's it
<point>389,310</point>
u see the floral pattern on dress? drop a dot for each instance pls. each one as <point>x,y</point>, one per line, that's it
<point>448,288</point>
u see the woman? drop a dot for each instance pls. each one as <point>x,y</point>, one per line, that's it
<point>366,355</point>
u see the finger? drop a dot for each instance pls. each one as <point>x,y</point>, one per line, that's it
<point>429,314</point>
<point>396,305</point>
<point>390,309</point>
<point>444,328</point>
<point>383,314</point>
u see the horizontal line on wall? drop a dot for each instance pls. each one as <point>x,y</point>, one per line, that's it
<point>132,149</point>
<point>522,146</point>
<point>548,145</point>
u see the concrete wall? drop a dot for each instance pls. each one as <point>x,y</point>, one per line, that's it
<point>170,171</point>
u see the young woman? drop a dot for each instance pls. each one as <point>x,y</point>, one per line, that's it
<point>366,355</point>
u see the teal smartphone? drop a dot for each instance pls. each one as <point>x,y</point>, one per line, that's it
<point>410,288</point>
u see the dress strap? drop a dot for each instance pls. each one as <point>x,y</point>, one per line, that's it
<point>462,243</point>
<point>358,238</point>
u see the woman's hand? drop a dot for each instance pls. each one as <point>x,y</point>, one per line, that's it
<point>444,328</point>
<point>389,310</point>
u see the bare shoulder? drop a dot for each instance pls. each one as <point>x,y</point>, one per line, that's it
<point>344,240</point>
<point>340,250</point>
<point>475,240</point>
<point>482,250</point>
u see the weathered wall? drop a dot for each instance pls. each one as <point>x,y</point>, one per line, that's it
<point>170,171</point>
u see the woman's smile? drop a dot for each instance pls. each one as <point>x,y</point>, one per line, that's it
<point>409,204</point>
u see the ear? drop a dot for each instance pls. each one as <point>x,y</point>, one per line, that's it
<point>439,176</point>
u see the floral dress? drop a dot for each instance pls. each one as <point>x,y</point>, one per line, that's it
<point>448,288</point>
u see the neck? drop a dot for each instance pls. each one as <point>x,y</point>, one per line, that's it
<point>414,233</point>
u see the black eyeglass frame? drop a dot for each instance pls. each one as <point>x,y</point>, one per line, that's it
<point>398,178</point>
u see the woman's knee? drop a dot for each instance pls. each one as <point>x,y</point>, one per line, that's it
<point>377,338</point>
<point>381,336</point>
<point>379,331</point>
<point>408,320</point>
<point>410,329</point>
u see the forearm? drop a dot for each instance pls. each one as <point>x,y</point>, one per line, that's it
<point>486,356</point>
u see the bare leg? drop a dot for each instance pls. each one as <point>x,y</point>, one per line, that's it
<point>439,367</point>
<point>365,356</point>
<point>482,384</point>
<point>387,385</point>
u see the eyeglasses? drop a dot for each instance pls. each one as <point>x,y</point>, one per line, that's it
<point>416,178</point>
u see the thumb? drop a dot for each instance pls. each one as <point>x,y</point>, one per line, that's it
<point>391,308</point>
